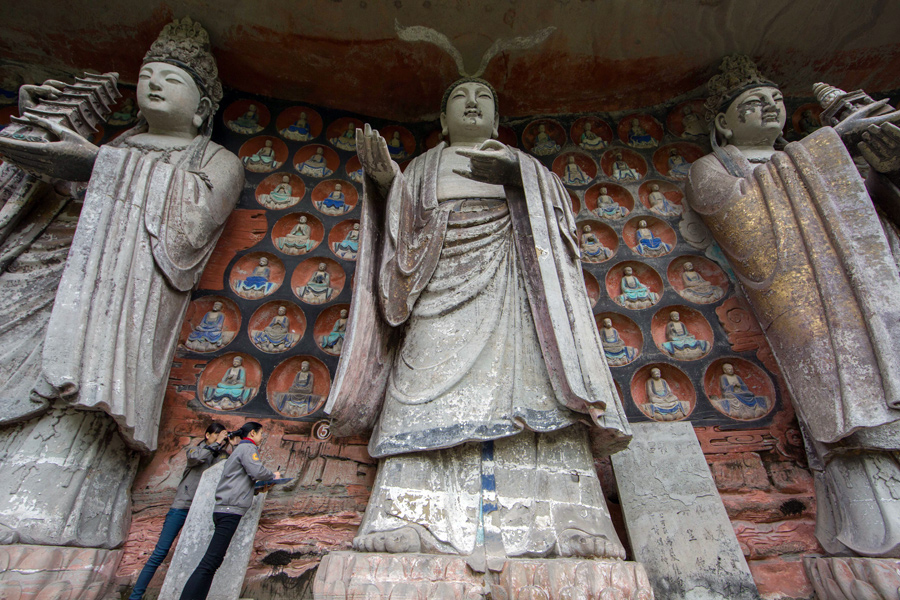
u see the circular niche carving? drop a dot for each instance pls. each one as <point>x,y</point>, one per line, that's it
<point>318,280</point>
<point>685,335</point>
<point>297,233</point>
<point>335,197</point>
<point>124,112</point>
<point>640,130</point>
<point>745,394</point>
<point>263,154</point>
<point>671,396</point>
<point>674,160</point>
<point>277,326</point>
<point>354,169</point>
<point>434,138</point>
<point>592,287</point>
<point>806,118</point>
<point>342,133</point>
<point>229,382</point>
<point>642,289</point>
<point>575,201</point>
<point>298,390</point>
<point>330,328</point>
<point>299,124</point>
<point>649,237</point>
<point>662,198</point>
<point>591,134</point>
<point>343,239</point>
<point>401,144</point>
<point>247,117</point>
<point>543,137</point>
<point>697,279</point>
<point>507,135</point>
<point>623,165</point>
<point>208,327</point>
<point>598,241</point>
<point>256,275</point>
<point>316,160</point>
<point>688,120</point>
<point>575,169</point>
<point>280,190</point>
<point>617,205</point>
<point>622,346</point>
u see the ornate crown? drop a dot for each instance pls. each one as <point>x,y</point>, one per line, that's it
<point>185,44</point>
<point>738,74</point>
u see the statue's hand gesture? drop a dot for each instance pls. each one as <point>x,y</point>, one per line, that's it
<point>70,157</point>
<point>880,146</point>
<point>851,127</point>
<point>31,95</point>
<point>374,157</point>
<point>492,163</point>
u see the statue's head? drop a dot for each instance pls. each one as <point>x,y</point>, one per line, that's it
<point>286,179</point>
<point>728,369</point>
<point>322,266</point>
<point>268,143</point>
<point>674,316</point>
<point>282,311</point>
<point>587,126</point>
<point>356,227</point>
<point>304,366</point>
<point>744,107</point>
<point>628,271</point>
<point>179,80</point>
<point>263,261</point>
<point>320,150</point>
<point>655,373</point>
<point>654,187</point>
<point>587,229</point>
<point>238,361</point>
<point>337,187</point>
<point>688,266</point>
<point>607,323</point>
<point>603,191</point>
<point>303,219</point>
<point>470,111</point>
<point>217,306</point>
<point>642,224</point>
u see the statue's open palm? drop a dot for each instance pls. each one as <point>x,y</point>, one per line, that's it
<point>374,156</point>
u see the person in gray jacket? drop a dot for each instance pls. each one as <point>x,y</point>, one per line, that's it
<point>199,458</point>
<point>234,495</point>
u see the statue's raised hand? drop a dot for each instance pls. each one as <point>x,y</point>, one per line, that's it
<point>70,157</point>
<point>851,127</point>
<point>374,156</point>
<point>880,146</point>
<point>31,95</point>
<point>492,162</point>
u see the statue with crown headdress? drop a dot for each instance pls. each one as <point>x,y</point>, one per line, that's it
<point>804,239</point>
<point>157,201</point>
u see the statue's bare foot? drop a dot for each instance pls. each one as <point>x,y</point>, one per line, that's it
<point>574,542</point>
<point>405,539</point>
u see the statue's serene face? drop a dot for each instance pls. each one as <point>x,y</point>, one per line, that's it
<point>655,374</point>
<point>167,96</point>
<point>754,117</point>
<point>471,113</point>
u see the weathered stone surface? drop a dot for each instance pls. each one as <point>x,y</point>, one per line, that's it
<point>768,540</point>
<point>195,537</point>
<point>781,579</point>
<point>854,578</point>
<point>738,472</point>
<point>676,522</point>
<point>57,573</point>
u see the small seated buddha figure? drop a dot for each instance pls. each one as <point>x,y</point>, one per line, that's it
<point>315,165</point>
<point>280,197</point>
<point>809,122</point>
<point>125,115</point>
<point>334,341</point>
<point>209,334</point>
<point>298,240</point>
<point>347,140</point>
<point>263,160</point>
<point>248,123</point>
<point>334,204</point>
<point>621,171</point>
<point>678,166</point>
<point>573,174</point>
<point>638,136</point>
<point>696,289</point>
<point>232,392</point>
<point>680,343</point>
<point>608,208</point>
<point>395,147</point>
<point>617,353</point>
<point>299,131</point>
<point>318,289</point>
<point>737,400</point>
<point>356,175</point>
<point>660,204</point>
<point>692,124</point>
<point>649,245</point>
<point>589,140</point>
<point>299,400</point>
<point>349,246</point>
<point>543,143</point>
<point>277,336</point>
<point>257,284</point>
<point>662,403</point>
<point>592,249</point>
<point>635,295</point>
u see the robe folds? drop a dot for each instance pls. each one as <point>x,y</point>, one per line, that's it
<point>509,271</point>
<point>146,231</point>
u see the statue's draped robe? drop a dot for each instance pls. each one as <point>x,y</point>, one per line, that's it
<point>813,260</point>
<point>145,233</point>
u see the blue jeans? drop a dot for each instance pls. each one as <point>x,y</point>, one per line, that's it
<point>174,522</point>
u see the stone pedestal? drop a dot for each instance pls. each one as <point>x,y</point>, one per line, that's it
<point>854,578</point>
<point>676,521</point>
<point>196,534</point>
<point>377,576</point>
<point>57,572</point>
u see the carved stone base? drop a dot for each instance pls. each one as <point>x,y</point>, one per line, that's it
<point>57,572</point>
<point>854,578</point>
<point>376,576</point>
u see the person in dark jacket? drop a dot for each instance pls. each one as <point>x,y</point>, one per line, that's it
<point>234,495</point>
<point>199,458</point>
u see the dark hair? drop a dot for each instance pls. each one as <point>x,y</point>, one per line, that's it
<point>247,428</point>
<point>215,427</point>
